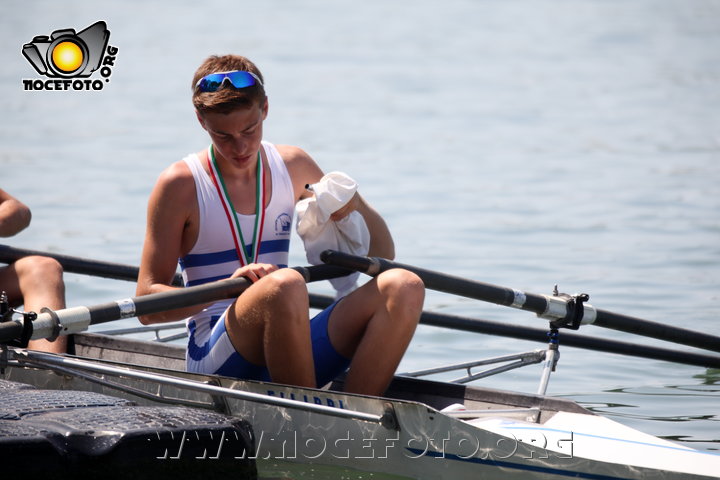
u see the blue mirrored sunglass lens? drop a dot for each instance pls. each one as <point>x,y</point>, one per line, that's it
<point>241,79</point>
<point>212,82</point>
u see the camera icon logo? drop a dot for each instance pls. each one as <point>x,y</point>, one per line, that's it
<point>68,54</point>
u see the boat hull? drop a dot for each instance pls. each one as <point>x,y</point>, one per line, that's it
<point>542,438</point>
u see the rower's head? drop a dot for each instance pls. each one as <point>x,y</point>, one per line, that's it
<point>231,105</point>
<point>226,83</point>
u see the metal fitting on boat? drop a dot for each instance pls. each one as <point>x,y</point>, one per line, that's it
<point>568,311</point>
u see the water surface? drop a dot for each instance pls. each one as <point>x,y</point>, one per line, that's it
<point>521,143</point>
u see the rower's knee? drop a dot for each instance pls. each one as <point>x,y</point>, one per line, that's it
<point>38,270</point>
<point>402,285</point>
<point>286,280</point>
<point>285,287</point>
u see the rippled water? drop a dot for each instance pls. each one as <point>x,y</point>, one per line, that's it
<point>521,143</point>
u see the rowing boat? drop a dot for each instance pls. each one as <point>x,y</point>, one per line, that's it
<point>420,428</point>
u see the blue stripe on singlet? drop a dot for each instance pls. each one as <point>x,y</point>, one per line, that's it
<point>201,281</point>
<point>205,259</point>
<point>274,246</point>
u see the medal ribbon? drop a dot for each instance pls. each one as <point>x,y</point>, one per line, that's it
<point>231,213</point>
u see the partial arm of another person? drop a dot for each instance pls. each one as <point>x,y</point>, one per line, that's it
<point>35,281</point>
<point>14,215</point>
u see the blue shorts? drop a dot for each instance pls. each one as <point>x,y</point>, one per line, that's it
<point>218,356</point>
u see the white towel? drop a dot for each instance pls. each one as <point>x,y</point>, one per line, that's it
<point>318,232</point>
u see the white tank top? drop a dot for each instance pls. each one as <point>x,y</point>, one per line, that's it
<point>213,257</point>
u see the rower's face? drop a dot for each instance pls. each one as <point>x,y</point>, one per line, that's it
<point>236,135</point>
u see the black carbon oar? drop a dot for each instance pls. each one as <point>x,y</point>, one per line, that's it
<point>476,325</point>
<point>552,308</point>
<point>80,265</point>
<point>129,273</point>
<point>76,319</point>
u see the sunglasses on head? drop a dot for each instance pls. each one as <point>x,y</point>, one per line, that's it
<point>236,78</point>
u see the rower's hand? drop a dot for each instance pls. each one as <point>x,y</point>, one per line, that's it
<point>347,209</point>
<point>254,271</point>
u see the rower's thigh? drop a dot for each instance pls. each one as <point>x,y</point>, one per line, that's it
<point>351,315</point>
<point>265,304</point>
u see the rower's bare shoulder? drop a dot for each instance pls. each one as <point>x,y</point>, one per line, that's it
<point>178,173</point>
<point>176,177</point>
<point>293,155</point>
<point>175,184</point>
<point>299,163</point>
<point>302,168</point>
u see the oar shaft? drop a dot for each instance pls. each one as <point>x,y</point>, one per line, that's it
<point>444,283</point>
<point>570,339</point>
<point>543,305</point>
<point>119,271</point>
<point>476,325</point>
<point>80,265</point>
<point>657,330</point>
<point>77,319</point>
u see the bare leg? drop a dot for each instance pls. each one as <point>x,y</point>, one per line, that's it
<point>36,282</point>
<point>269,325</point>
<point>374,326</point>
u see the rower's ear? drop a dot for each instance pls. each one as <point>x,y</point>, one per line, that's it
<point>202,120</point>
<point>265,108</point>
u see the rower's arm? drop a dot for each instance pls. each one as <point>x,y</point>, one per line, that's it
<point>168,214</point>
<point>303,170</point>
<point>381,241</point>
<point>14,215</point>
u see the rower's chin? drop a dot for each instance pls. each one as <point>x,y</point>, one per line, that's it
<point>242,162</point>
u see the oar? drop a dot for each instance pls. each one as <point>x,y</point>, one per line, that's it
<point>476,325</point>
<point>129,273</point>
<point>545,306</point>
<point>76,319</point>
<point>84,266</point>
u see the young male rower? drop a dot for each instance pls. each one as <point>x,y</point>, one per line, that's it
<point>224,212</point>
<point>34,281</point>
